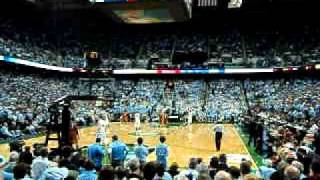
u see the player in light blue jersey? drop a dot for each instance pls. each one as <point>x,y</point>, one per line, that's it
<point>96,153</point>
<point>141,151</point>
<point>118,151</point>
<point>162,152</point>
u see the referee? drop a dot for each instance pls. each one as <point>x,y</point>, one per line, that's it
<point>218,130</point>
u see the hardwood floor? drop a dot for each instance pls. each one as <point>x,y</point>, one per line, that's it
<point>184,142</point>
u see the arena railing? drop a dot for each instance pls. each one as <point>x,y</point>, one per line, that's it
<point>10,59</point>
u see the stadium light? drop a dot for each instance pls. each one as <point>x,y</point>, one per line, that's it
<point>310,67</point>
<point>235,4</point>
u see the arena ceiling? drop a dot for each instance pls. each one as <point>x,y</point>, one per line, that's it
<point>280,7</point>
<point>288,3</point>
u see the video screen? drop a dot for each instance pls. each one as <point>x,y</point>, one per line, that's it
<point>112,1</point>
<point>145,16</point>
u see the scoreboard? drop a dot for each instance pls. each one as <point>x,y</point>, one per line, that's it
<point>93,60</point>
<point>112,1</point>
<point>145,11</point>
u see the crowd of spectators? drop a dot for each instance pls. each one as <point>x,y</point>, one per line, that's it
<point>122,50</point>
<point>158,46</point>
<point>282,122</point>
<point>74,164</point>
<point>227,48</point>
<point>226,101</point>
<point>192,43</point>
<point>297,48</point>
<point>281,116</point>
<point>260,49</point>
<point>144,97</point>
<point>28,45</point>
<point>25,101</point>
<point>188,97</point>
<point>71,164</point>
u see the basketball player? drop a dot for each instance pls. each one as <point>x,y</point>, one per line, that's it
<point>124,117</point>
<point>107,119</point>
<point>101,132</point>
<point>137,123</point>
<point>141,151</point>
<point>118,152</point>
<point>74,135</point>
<point>162,152</point>
<point>93,116</point>
<point>96,153</point>
<point>189,116</point>
<point>218,130</point>
<point>163,117</point>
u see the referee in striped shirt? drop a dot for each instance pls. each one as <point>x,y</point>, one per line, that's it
<point>218,130</point>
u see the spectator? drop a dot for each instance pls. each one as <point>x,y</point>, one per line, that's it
<point>150,170</point>
<point>21,171</point>
<point>2,162</point>
<point>191,173</point>
<point>26,156</point>
<point>106,172</point>
<point>5,131</point>
<point>250,177</point>
<point>55,173</point>
<point>120,172</point>
<point>40,164</point>
<point>234,172</point>
<point>299,165</point>
<point>315,171</point>
<point>73,171</point>
<point>222,175</point>
<point>174,169</point>
<point>203,170</point>
<point>267,170</point>
<point>204,176</point>
<point>223,162</point>
<point>279,174</point>
<point>13,160</point>
<point>89,172</point>
<point>161,173</point>
<point>245,168</point>
<point>134,169</point>
<point>213,166</point>
<point>291,173</point>
<point>5,175</point>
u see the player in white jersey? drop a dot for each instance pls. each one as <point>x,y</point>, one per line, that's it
<point>106,117</point>
<point>137,122</point>
<point>102,125</point>
<point>101,130</point>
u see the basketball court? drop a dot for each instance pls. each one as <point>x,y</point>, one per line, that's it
<point>184,142</point>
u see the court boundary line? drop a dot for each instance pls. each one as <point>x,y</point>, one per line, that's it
<point>243,144</point>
